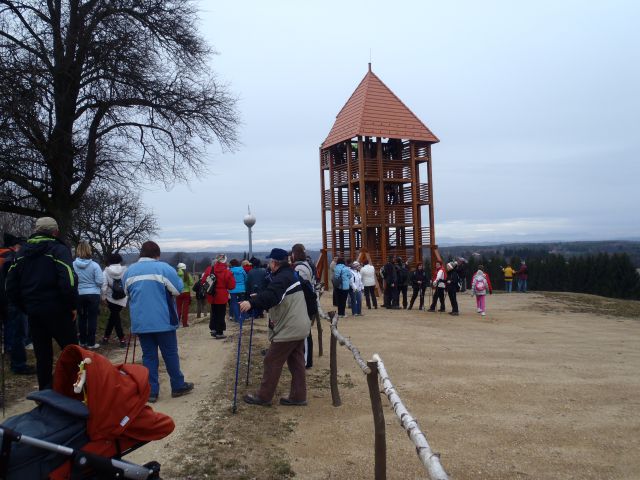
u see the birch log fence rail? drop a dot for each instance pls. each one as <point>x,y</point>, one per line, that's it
<point>373,370</point>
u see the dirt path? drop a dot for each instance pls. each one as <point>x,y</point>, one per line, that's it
<point>535,390</point>
<point>201,362</point>
<point>530,391</point>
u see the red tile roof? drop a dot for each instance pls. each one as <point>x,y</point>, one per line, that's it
<point>373,110</point>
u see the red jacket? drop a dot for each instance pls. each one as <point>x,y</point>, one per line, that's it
<point>224,282</point>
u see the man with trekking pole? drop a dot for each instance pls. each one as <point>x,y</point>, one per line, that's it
<point>289,325</point>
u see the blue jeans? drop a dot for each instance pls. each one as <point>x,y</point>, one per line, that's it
<point>15,334</point>
<point>234,306</point>
<point>356,302</point>
<point>508,284</point>
<point>167,342</point>
<point>522,285</point>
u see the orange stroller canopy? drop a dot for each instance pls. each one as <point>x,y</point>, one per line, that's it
<point>116,396</point>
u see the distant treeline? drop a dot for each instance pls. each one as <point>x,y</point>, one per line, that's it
<point>609,275</point>
<point>568,249</point>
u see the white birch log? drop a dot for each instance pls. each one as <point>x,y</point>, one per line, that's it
<point>347,343</point>
<point>429,459</point>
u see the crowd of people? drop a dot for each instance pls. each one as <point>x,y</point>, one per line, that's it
<point>49,296</point>
<point>351,281</point>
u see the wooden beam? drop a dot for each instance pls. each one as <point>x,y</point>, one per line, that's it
<point>350,200</point>
<point>363,197</point>
<point>383,208</point>
<point>414,202</point>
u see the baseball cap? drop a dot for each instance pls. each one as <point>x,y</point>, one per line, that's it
<point>278,254</point>
<point>46,225</point>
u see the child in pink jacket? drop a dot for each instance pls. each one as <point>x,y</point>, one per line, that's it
<point>480,288</point>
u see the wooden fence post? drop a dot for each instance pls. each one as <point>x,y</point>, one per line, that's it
<point>378,423</point>
<point>333,378</point>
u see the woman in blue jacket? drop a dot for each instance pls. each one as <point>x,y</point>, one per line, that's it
<point>238,293</point>
<point>342,275</point>
<point>89,289</point>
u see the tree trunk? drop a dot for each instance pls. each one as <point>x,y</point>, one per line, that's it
<point>63,213</point>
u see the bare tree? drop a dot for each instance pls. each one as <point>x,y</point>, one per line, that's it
<point>109,90</point>
<point>112,220</point>
<point>18,225</point>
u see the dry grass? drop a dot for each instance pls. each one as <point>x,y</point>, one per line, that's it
<point>584,303</point>
<point>240,446</point>
<point>246,445</point>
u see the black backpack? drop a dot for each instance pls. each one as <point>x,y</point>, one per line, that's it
<point>198,289</point>
<point>403,277</point>
<point>117,289</point>
<point>310,297</point>
<point>209,284</point>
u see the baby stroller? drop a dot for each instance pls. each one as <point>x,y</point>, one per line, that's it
<point>95,415</point>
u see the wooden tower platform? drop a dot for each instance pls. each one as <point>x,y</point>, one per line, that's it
<point>376,180</point>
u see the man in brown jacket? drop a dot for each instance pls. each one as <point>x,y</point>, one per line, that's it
<point>289,325</point>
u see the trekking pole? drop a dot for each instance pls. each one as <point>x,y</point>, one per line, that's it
<point>234,409</point>
<point>253,316</point>
<point>133,355</point>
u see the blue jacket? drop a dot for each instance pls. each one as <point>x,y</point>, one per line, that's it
<point>344,274</point>
<point>241,276</point>
<point>152,286</point>
<point>89,276</point>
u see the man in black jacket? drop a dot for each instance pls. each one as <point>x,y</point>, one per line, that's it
<point>42,284</point>
<point>390,284</point>
<point>403,282</point>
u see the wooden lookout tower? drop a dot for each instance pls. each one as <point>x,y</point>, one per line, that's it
<point>376,181</point>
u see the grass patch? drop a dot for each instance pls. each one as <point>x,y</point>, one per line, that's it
<point>584,303</point>
<point>240,446</point>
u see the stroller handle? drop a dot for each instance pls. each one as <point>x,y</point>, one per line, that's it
<point>84,459</point>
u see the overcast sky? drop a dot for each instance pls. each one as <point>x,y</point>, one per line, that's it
<point>536,105</point>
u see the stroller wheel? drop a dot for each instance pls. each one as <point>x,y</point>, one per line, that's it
<point>155,468</point>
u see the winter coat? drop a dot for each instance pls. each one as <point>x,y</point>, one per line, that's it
<point>368,274</point>
<point>356,281</point>
<point>7,257</point>
<point>188,283</point>
<point>111,273</point>
<point>304,271</point>
<point>225,281</point>
<point>42,280</point>
<point>256,280</point>
<point>152,286</point>
<point>241,278</point>
<point>452,281</point>
<point>390,274</point>
<point>419,276</point>
<point>284,298</point>
<point>480,276</point>
<point>343,273</point>
<point>403,276</point>
<point>89,276</point>
<point>508,274</point>
<point>439,278</point>
<point>523,272</point>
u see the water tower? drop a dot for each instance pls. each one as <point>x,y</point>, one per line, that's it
<point>249,220</point>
